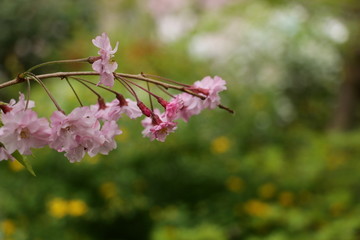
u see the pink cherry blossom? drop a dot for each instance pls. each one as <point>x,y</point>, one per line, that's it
<point>191,106</point>
<point>147,124</point>
<point>131,109</point>
<point>5,155</point>
<point>114,111</point>
<point>157,126</point>
<point>213,86</point>
<point>109,130</point>
<point>173,108</point>
<point>17,106</point>
<point>105,66</point>
<point>100,113</point>
<point>160,131</point>
<point>76,133</point>
<point>207,87</point>
<point>23,130</point>
<point>75,154</point>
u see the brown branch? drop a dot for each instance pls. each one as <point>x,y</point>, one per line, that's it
<point>140,77</point>
<point>45,76</point>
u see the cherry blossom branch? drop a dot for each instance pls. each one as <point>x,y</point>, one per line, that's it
<point>92,129</point>
<point>21,78</point>
<point>140,77</point>
<point>80,60</point>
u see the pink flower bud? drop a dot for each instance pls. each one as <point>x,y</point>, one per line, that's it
<point>5,108</point>
<point>145,110</point>
<point>163,102</point>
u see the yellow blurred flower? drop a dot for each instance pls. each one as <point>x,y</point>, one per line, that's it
<point>220,145</point>
<point>286,199</point>
<point>57,207</point>
<point>234,184</point>
<point>15,166</point>
<point>267,190</point>
<point>257,208</point>
<point>108,190</point>
<point>8,227</point>
<point>77,208</point>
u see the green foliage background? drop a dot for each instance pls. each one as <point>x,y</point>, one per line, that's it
<point>272,171</point>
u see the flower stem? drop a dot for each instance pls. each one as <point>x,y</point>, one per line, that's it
<point>119,76</point>
<point>87,81</point>
<point>59,61</point>
<point>127,87</point>
<point>165,79</point>
<point>88,87</point>
<point>137,85</point>
<point>150,99</point>
<point>76,95</point>
<point>165,91</point>
<point>27,94</point>
<point>38,80</point>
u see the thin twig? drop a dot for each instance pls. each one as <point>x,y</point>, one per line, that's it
<point>226,108</point>
<point>137,85</point>
<point>27,94</point>
<point>165,79</point>
<point>165,91</point>
<point>88,87</point>
<point>127,87</point>
<point>60,61</point>
<point>87,81</point>
<point>72,88</point>
<point>33,76</point>
<point>150,99</point>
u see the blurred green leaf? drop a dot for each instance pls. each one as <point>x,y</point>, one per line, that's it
<point>24,161</point>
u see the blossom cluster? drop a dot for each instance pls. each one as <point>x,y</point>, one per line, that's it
<point>92,129</point>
